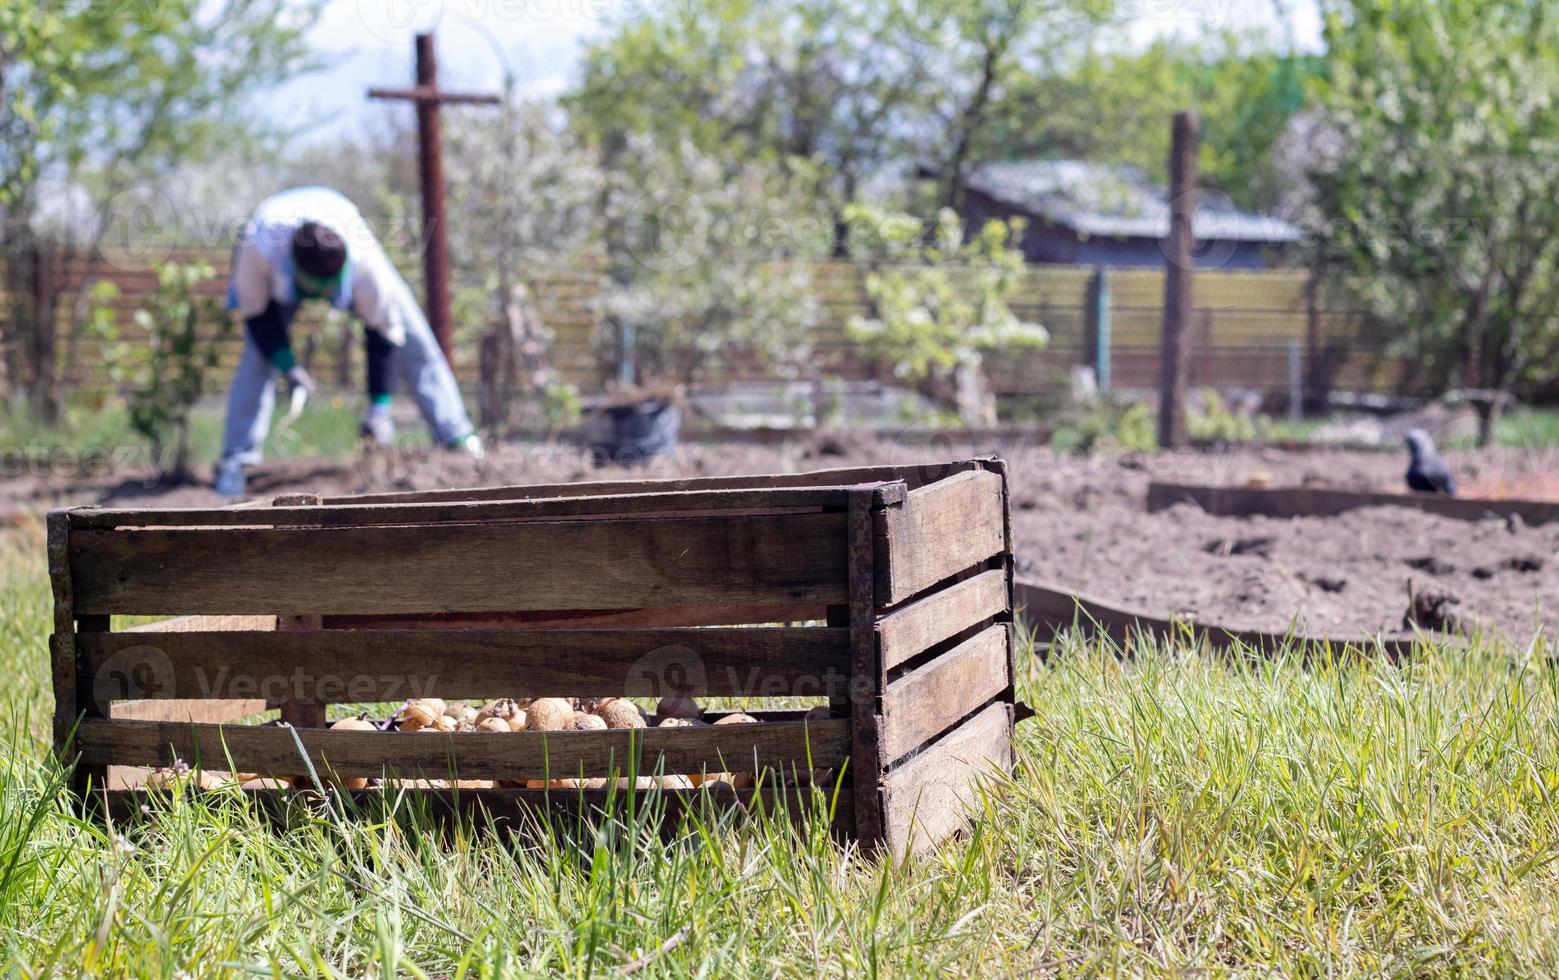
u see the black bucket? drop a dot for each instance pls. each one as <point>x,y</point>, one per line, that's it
<point>630,434</point>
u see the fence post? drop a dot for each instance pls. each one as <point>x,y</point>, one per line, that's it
<point>1180,256</point>
<point>1296,389</point>
<point>1100,314</point>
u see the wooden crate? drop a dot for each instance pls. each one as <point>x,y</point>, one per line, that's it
<point>900,576</point>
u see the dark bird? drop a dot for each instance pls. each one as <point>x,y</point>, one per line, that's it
<point>1427,473</point>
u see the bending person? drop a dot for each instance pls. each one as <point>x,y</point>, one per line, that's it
<point>311,243</point>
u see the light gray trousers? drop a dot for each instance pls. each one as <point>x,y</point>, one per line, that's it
<point>420,364</point>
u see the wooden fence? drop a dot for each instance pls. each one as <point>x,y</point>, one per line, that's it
<point>1246,326</point>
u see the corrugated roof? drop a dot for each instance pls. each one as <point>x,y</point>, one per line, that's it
<point>1116,202</point>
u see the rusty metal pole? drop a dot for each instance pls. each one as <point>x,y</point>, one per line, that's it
<point>430,168</point>
<point>1179,276</point>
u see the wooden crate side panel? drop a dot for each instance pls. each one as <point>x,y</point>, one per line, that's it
<point>461,568</point>
<point>907,632</point>
<point>940,530</point>
<point>935,696</point>
<point>474,755</point>
<point>333,666</point>
<point>933,795</point>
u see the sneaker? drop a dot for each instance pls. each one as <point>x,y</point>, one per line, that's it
<point>471,445</point>
<point>231,479</point>
<point>378,426</point>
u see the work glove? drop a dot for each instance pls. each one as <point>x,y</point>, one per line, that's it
<point>299,378</point>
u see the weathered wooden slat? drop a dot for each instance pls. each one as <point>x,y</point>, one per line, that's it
<point>461,568</point>
<point>473,755</point>
<point>907,632</point>
<point>929,699</point>
<point>913,475</point>
<point>516,808</point>
<point>866,674</point>
<point>670,616</point>
<point>62,644</point>
<point>932,795</point>
<point>199,711</point>
<point>333,666</point>
<point>1324,502</point>
<point>682,502</point>
<point>300,709</point>
<point>939,531</point>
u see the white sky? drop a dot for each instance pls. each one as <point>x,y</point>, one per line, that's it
<point>368,42</point>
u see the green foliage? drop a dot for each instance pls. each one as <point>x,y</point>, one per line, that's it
<point>699,275</point>
<point>166,374</point>
<point>1442,205</point>
<point>1110,106</point>
<point>561,406</point>
<point>1106,425</point>
<point>939,307</point>
<point>123,90</point>
<point>832,93</point>
<point>1212,420</point>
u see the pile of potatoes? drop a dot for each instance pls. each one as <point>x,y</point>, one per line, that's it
<point>524,715</point>
<point>569,714</point>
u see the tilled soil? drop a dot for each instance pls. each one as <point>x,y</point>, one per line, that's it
<point>1080,523</point>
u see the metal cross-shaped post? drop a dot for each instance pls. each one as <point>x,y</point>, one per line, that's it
<point>430,153</point>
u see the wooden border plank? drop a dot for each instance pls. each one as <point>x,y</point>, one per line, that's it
<point>462,568</point>
<point>937,695</point>
<point>1325,502</point>
<point>333,666</point>
<point>1050,609</point>
<point>473,755</point>
<point>915,628</point>
<point>931,796</point>
<point>942,529</point>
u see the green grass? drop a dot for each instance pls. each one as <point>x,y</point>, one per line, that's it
<point>1176,813</point>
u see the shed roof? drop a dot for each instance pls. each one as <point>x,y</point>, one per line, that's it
<point>1118,202</point>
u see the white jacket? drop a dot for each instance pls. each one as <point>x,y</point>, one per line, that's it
<point>263,269</point>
